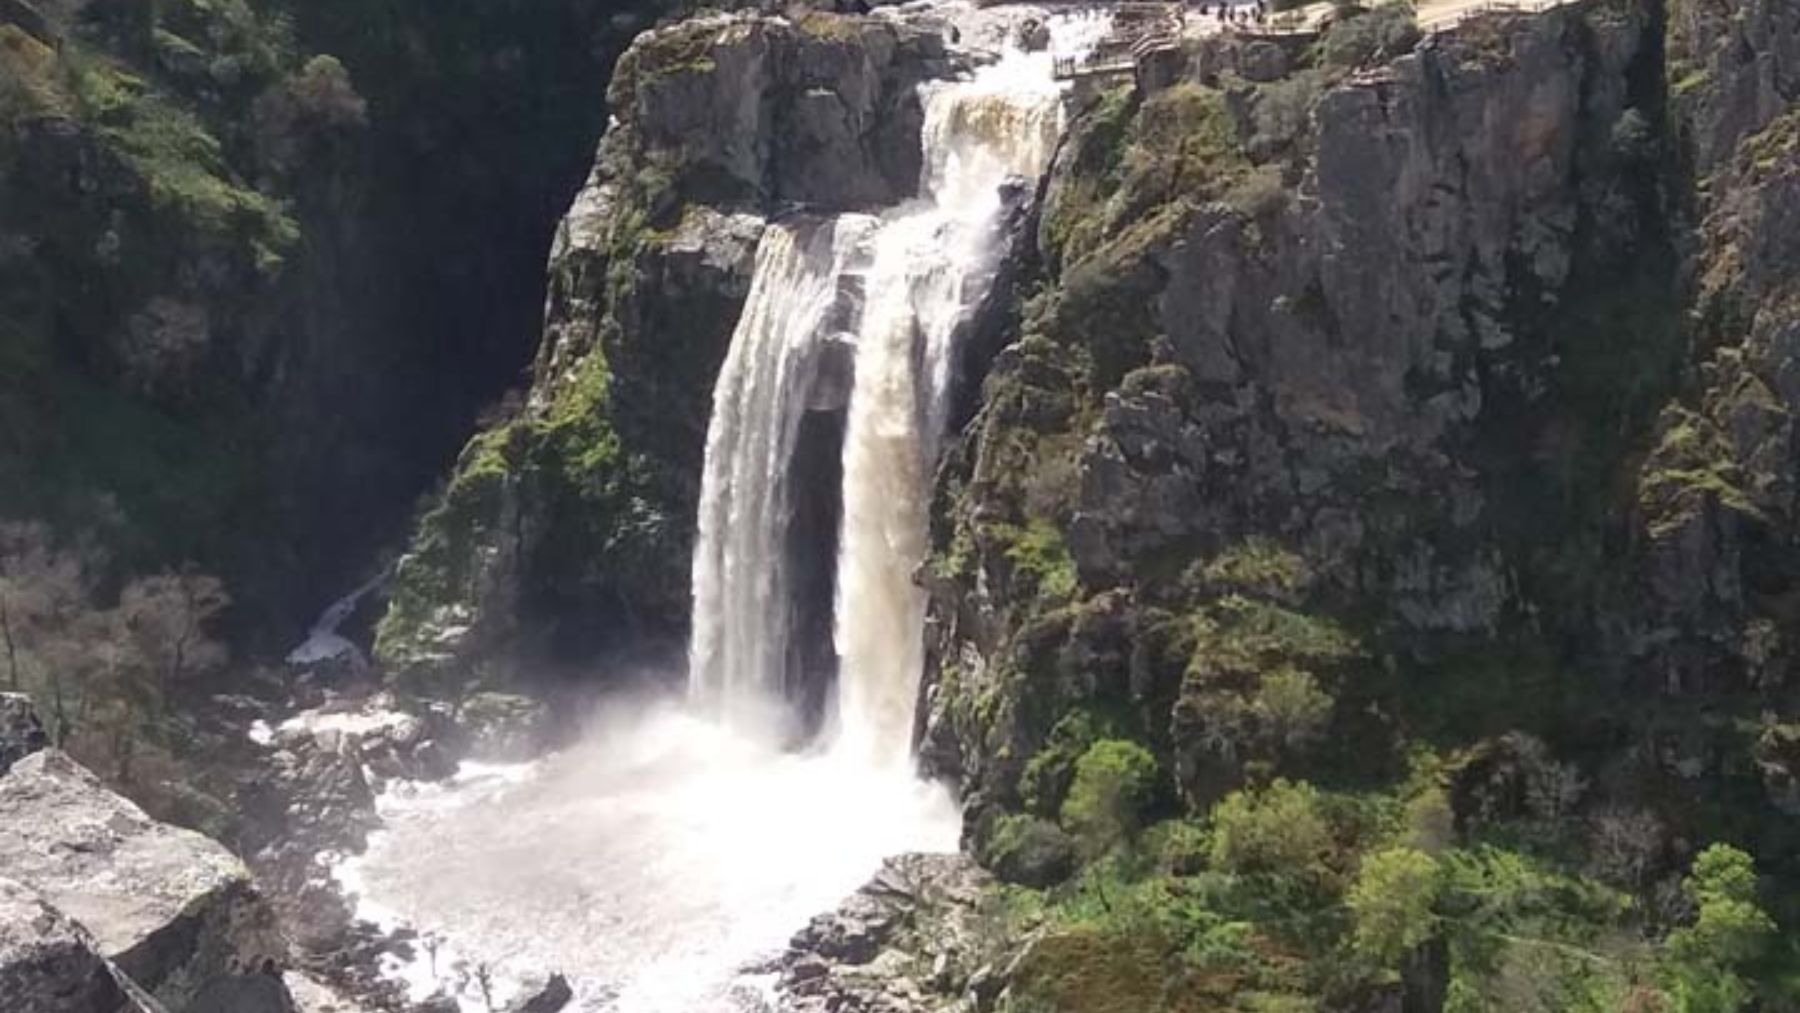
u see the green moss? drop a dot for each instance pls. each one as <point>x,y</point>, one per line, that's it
<point>184,167</point>
<point>1040,556</point>
<point>1142,164</point>
<point>1690,81</point>
<point>1256,566</point>
<point>831,27</point>
<point>1370,36</point>
<point>1049,771</point>
<point>682,49</point>
<point>1240,636</point>
<point>1692,467</point>
<point>31,77</point>
<point>1116,782</point>
<point>1095,972</point>
<point>567,460</point>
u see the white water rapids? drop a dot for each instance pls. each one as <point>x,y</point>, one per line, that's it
<point>681,841</point>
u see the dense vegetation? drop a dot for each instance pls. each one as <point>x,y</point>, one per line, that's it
<point>265,261</point>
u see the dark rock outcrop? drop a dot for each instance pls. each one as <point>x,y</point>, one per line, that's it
<point>21,733</point>
<point>553,996</point>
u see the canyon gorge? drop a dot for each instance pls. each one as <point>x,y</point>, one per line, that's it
<point>961,508</point>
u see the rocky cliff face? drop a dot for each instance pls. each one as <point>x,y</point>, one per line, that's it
<point>1716,490</point>
<point>1375,405</point>
<point>1306,391</point>
<point>565,532</point>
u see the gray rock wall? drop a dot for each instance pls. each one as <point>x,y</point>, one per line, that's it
<point>1371,367</point>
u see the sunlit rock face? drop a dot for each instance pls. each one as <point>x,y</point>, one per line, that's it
<point>1356,365</point>
<point>173,910</point>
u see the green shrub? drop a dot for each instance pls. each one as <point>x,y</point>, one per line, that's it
<point>1362,39</point>
<point>1392,901</point>
<point>1045,781</point>
<point>1706,960</point>
<point>1278,830</point>
<point>1115,782</point>
<point>1039,553</point>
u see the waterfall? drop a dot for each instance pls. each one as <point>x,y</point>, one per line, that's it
<point>667,851</point>
<point>925,268</point>
<point>743,607</point>
<point>934,264</point>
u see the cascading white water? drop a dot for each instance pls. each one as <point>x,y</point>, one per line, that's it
<point>743,607</point>
<point>653,861</point>
<point>934,263</point>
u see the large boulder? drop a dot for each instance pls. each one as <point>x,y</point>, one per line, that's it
<point>176,912</point>
<point>21,733</point>
<point>49,964</point>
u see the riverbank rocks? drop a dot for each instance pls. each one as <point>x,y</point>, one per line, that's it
<point>21,733</point>
<point>910,940</point>
<point>174,911</point>
<point>552,996</point>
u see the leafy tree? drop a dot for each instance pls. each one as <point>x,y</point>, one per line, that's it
<point>44,593</point>
<point>1392,902</point>
<point>1115,780</point>
<point>102,672</point>
<point>1278,829</point>
<point>1706,960</point>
